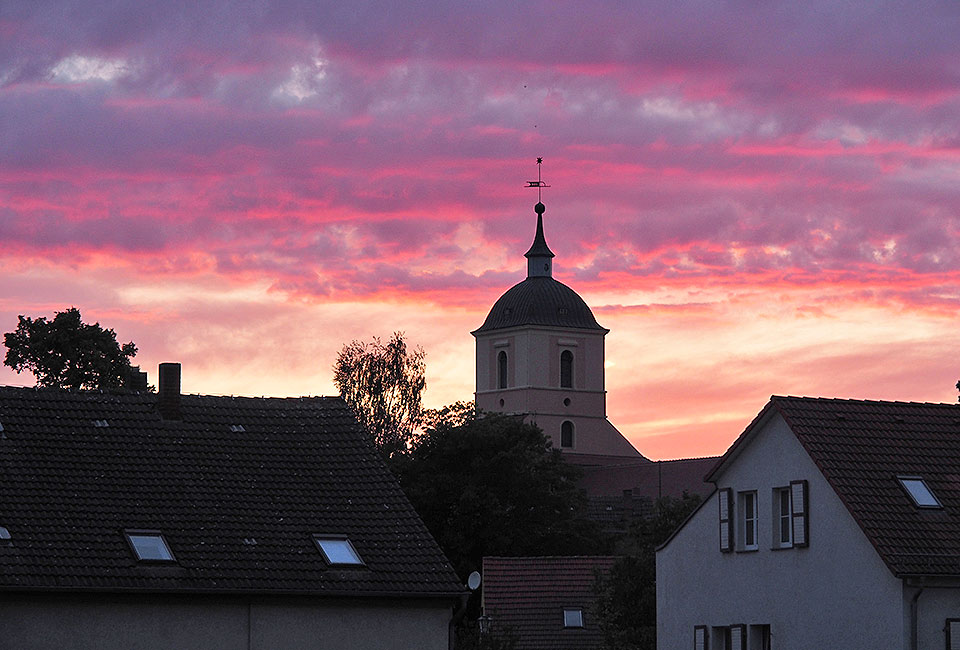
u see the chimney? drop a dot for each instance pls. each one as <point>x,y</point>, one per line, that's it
<point>136,379</point>
<point>168,398</point>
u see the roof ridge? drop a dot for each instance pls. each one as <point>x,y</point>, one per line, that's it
<point>858,400</point>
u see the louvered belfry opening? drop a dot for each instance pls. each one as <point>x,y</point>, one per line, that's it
<point>168,398</point>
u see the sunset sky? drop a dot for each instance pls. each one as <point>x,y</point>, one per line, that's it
<point>755,198</point>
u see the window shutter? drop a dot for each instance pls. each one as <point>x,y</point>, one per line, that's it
<point>953,634</point>
<point>700,637</point>
<point>725,498</point>
<point>800,512</point>
<point>738,637</point>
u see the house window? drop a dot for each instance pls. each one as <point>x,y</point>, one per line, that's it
<point>572,618</point>
<point>919,491</point>
<point>747,523</point>
<point>566,369</point>
<point>782,518</point>
<point>566,434</point>
<point>502,369</point>
<point>149,546</point>
<point>337,550</point>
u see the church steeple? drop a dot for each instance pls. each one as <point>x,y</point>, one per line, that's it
<point>539,257</point>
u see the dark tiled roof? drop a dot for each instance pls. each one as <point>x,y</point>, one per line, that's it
<point>237,507</point>
<point>861,447</point>
<point>540,301</point>
<point>648,479</point>
<point>528,596</point>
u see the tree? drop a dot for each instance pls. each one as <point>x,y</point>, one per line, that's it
<point>383,385</point>
<point>627,597</point>
<point>67,353</point>
<point>493,485</point>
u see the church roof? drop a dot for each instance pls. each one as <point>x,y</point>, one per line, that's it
<point>540,301</point>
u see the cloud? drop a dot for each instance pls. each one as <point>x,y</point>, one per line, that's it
<point>702,156</point>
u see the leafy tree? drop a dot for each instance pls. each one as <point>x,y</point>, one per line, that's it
<point>383,384</point>
<point>452,415</point>
<point>627,597</point>
<point>493,485</point>
<point>67,353</point>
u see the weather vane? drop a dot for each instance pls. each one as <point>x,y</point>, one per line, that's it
<point>538,183</point>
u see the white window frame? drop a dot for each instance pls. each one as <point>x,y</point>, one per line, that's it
<point>748,514</point>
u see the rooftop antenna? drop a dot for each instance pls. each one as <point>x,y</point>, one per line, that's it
<point>539,184</point>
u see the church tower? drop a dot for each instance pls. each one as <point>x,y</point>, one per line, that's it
<point>540,353</point>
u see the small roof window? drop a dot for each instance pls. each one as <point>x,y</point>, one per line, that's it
<point>237,428</point>
<point>149,546</point>
<point>337,550</point>
<point>5,538</point>
<point>918,490</point>
<point>572,617</point>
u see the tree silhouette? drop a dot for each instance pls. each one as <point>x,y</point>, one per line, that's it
<point>383,384</point>
<point>67,353</point>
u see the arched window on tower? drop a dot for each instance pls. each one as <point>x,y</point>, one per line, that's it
<point>566,369</point>
<point>566,434</point>
<point>502,369</point>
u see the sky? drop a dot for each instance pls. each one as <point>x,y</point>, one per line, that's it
<point>756,198</point>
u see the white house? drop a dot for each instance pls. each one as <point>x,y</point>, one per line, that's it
<point>834,524</point>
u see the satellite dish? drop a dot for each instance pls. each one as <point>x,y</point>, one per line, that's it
<point>473,581</point>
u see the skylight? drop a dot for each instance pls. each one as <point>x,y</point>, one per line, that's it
<point>149,546</point>
<point>5,538</point>
<point>919,492</point>
<point>572,618</point>
<point>337,550</point>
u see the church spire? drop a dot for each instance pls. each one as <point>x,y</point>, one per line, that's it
<point>539,257</point>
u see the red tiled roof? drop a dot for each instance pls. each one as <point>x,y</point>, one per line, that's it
<point>238,487</point>
<point>861,447</point>
<point>529,594</point>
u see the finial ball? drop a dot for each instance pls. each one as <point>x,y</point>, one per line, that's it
<point>539,208</point>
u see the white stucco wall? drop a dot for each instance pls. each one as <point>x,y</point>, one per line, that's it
<point>934,606</point>
<point>140,621</point>
<point>837,593</point>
